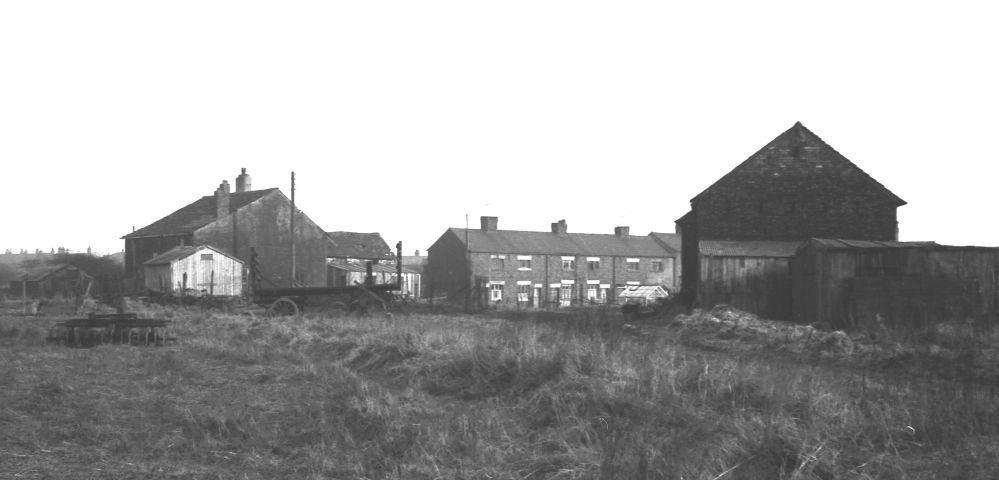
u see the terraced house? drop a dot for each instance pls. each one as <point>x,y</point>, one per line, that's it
<point>545,269</point>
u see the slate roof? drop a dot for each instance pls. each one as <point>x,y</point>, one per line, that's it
<point>197,214</point>
<point>177,253</point>
<point>794,154</point>
<point>547,243</point>
<point>358,245</point>
<point>836,243</point>
<point>749,248</point>
<point>671,240</point>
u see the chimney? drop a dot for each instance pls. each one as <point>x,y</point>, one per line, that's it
<point>222,200</point>
<point>560,227</point>
<point>622,231</point>
<point>243,182</point>
<point>489,223</point>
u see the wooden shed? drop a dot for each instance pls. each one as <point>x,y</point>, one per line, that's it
<point>200,269</point>
<point>60,279</point>
<point>852,283</point>
<point>752,275</point>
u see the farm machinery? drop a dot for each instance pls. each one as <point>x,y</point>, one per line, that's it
<point>360,298</point>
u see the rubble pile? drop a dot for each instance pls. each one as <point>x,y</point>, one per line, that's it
<point>730,328</point>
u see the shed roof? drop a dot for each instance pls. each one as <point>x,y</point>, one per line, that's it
<point>38,273</point>
<point>542,243</point>
<point>358,245</point>
<point>197,214</point>
<point>670,240</point>
<point>749,248</point>
<point>797,153</point>
<point>836,243</point>
<point>177,253</point>
<point>376,268</point>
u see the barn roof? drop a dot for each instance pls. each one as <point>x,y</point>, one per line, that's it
<point>197,214</point>
<point>547,243</point>
<point>671,240</point>
<point>376,268</point>
<point>748,248</point>
<point>794,154</point>
<point>177,253</point>
<point>836,243</point>
<point>41,272</point>
<point>357,245</point>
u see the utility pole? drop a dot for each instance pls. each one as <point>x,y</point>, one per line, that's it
<point>291,281</point>
<point>468,270</point>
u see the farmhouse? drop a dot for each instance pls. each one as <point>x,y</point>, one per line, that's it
<point>204,269</point>
<point>850,283</point>
<point>237,223</point>
<point>795,188</point>
<point>538,269</point>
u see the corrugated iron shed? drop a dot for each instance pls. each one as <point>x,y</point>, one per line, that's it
<point>375,268</point>
<point>836,243</point>
<point>178,253</point>
<point>642,291</point>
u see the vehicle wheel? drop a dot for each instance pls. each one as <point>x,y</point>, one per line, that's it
<point>283,307</point>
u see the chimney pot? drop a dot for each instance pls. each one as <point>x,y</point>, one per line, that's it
<point>622,231</point>
<point>243,182</point>
<point>489,224</point>
<point>222,200</point>
<point>560,227</point>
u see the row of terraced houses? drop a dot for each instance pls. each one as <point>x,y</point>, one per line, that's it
<point>795,231</point>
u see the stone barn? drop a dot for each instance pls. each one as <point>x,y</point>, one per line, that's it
<point>236,223</point>
<point>794,188</point>
<point>203,269</point>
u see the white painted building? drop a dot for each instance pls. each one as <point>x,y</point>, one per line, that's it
<point>199,269</point>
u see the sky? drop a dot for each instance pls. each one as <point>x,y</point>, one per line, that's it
<point>406,117</point>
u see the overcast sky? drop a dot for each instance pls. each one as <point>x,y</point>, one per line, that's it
<point>403,117</point>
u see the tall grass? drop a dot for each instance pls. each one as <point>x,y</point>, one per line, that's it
<point>432,396</point>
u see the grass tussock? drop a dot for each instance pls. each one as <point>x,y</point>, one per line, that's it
<point>434,396</point>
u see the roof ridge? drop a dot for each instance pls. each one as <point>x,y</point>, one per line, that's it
<point>800,128</point>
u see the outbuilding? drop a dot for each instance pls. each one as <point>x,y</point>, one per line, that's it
<point>853,283</point>
<point>200,269</point>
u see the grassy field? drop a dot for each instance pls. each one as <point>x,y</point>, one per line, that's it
<point>476,397</point>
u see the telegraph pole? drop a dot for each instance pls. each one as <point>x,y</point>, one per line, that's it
<point>468,270</point>
<point>291,281</point>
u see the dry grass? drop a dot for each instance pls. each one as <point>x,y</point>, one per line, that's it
<point>431,396</point>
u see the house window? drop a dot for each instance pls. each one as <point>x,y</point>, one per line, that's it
<point>523,293</point>
<point>592,293</point>
<point>632,264</point>
<point>593,263</point>
<point>495,292</point>
<point>498,261</point>
<point>207,256</point>
<point>524,264</point>
<point>657,265</point>
<point>568,263</point>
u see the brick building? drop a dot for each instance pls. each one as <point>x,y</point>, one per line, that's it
<point>235,222</point>
<point>542,269</point>
<point>794,188</point>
